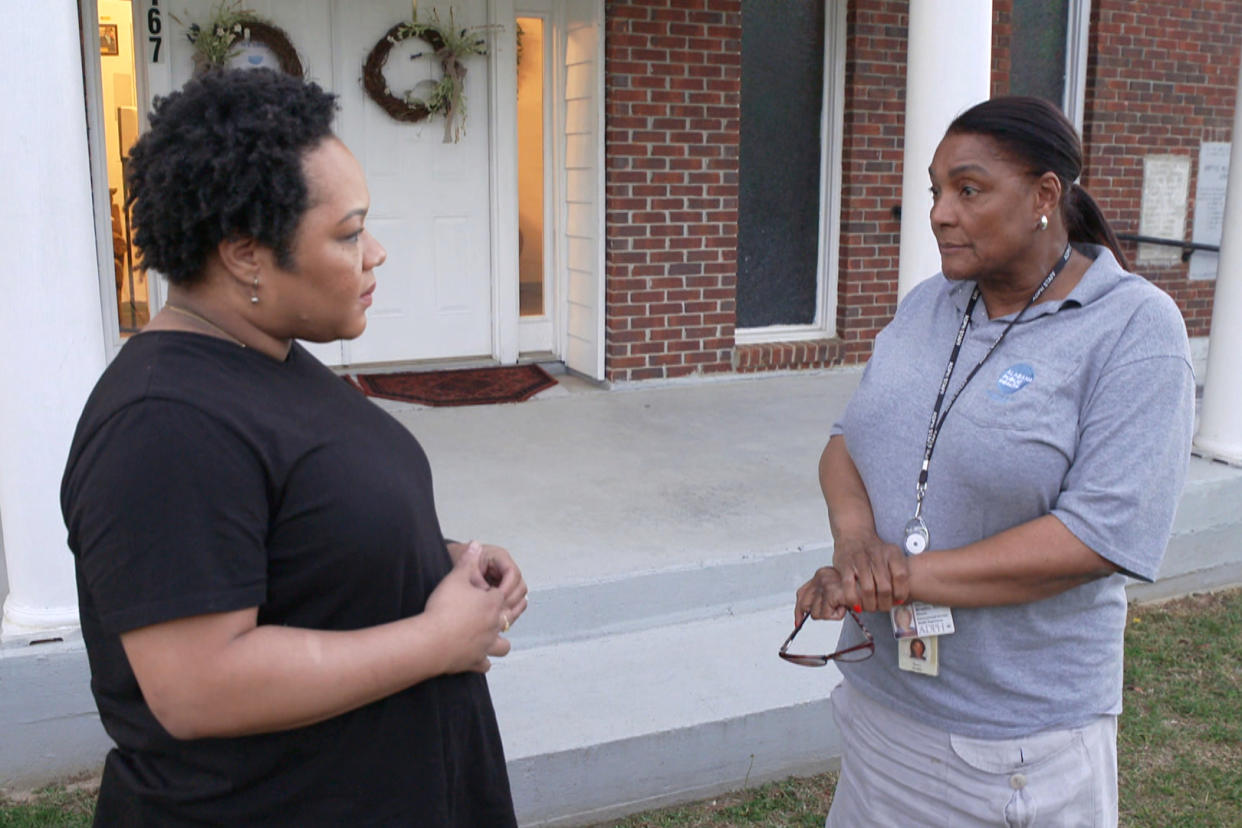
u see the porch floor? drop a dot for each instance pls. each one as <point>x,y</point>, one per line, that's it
<point>584,484</point>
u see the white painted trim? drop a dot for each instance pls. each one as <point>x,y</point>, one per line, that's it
<point>779,333</point>
<point>1077,49</point>
<point>546,333</point>
<point>584,354</point>
<point>558,196</point>
<point>601,167</point>
<point>831,131</point>
<point>503,181</point>
<point>97,148</point>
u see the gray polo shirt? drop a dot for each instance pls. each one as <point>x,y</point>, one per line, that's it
<point>1084,412</point>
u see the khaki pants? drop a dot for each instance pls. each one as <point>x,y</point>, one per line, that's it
<point>898,772</point>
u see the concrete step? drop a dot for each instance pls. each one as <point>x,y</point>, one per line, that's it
<point>595,728</point>
<point>629,693</point>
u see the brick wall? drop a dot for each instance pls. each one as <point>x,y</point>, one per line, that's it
<point>1162,78</point>
<point>875,105</point>
<point>1002,35</point>
<point>672,92</point>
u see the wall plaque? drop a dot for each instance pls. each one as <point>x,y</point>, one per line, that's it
<point>1166,184</point>
<point>1209,206</point>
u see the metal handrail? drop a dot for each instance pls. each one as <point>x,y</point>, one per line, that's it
<point>1187,247</point>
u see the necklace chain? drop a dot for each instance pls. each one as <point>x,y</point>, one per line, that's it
<point>187,312</point>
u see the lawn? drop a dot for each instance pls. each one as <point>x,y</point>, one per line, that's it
<point>1179,743</point>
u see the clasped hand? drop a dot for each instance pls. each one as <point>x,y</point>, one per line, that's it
<point>478,600</point>
<point>866,574</point>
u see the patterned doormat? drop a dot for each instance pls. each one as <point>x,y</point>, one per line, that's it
<point>469,386</point>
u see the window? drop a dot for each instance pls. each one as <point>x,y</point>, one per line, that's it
<point>1048,55</point>
<point>779,187</point>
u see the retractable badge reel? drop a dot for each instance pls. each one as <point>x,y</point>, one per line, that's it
<point>916,536</point>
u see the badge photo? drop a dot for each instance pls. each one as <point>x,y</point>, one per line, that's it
<point>919,655</point>
<point>903,622</point>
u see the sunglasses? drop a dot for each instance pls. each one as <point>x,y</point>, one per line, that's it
<point>859,652</point>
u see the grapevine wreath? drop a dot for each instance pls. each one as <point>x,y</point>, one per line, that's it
<point>451,46</point>
<point>216,42</point>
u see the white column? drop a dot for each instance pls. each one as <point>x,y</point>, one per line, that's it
<point>51,330</point>
<point>1220,420</point>
<point>948,70</point>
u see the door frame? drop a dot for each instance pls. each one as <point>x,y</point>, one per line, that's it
<point>503,174</point>
<point>97,151</point>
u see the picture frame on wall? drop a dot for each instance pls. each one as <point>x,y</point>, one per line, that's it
<point>109,42</point>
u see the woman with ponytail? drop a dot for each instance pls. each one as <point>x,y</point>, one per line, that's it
<point>1015,450</point>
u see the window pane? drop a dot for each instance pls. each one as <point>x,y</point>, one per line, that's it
<point>778,205</point>
<point>116,62</point>
<point>530,165</point>
<point>1037,56</point>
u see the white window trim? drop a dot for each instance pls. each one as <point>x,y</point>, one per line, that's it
<point>88,11</point>
<point>98,150</point>
<point>831,130</point>
<point>545,333</point>
<point>1077,49</point>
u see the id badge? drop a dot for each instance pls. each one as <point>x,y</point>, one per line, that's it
<point>919,655</point>
<point>918,619</point>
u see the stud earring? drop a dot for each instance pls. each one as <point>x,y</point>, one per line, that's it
<point>1043,225</point>
<point>254,289</point>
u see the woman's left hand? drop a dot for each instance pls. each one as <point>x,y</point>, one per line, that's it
<point>498,569</point>
<point>875,575</point>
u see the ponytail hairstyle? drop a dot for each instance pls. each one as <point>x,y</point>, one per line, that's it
<point>1037,134</point>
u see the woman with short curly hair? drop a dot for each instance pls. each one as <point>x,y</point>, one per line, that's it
<point>278,631</point>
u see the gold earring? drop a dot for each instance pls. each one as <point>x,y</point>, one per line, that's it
<point>1043,225</point>
<point>254,289</point>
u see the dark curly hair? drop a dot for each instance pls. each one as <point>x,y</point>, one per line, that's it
<point>1039,135</point>
<point>223,159</point>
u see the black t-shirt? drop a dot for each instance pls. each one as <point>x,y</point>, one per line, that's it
<point>203,478</point>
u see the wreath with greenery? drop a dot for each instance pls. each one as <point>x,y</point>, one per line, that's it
<point>218,41</point>
<point>447,96</point>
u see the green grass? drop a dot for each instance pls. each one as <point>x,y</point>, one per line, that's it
<point>1179,742</point>
<point>58,805</point>
<point>1180,737</point>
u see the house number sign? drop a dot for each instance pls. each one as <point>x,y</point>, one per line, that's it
<point>155,32</point>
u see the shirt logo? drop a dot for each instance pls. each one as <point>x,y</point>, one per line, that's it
<point>1013,380</point>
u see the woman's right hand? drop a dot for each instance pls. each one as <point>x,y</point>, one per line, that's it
<point>470,615</point>
<point>875,576</point>
<point>821,597</point>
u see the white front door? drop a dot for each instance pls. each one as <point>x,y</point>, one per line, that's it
<point>430,201</point>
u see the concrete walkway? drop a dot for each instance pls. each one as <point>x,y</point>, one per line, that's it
<point>585,484</point>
